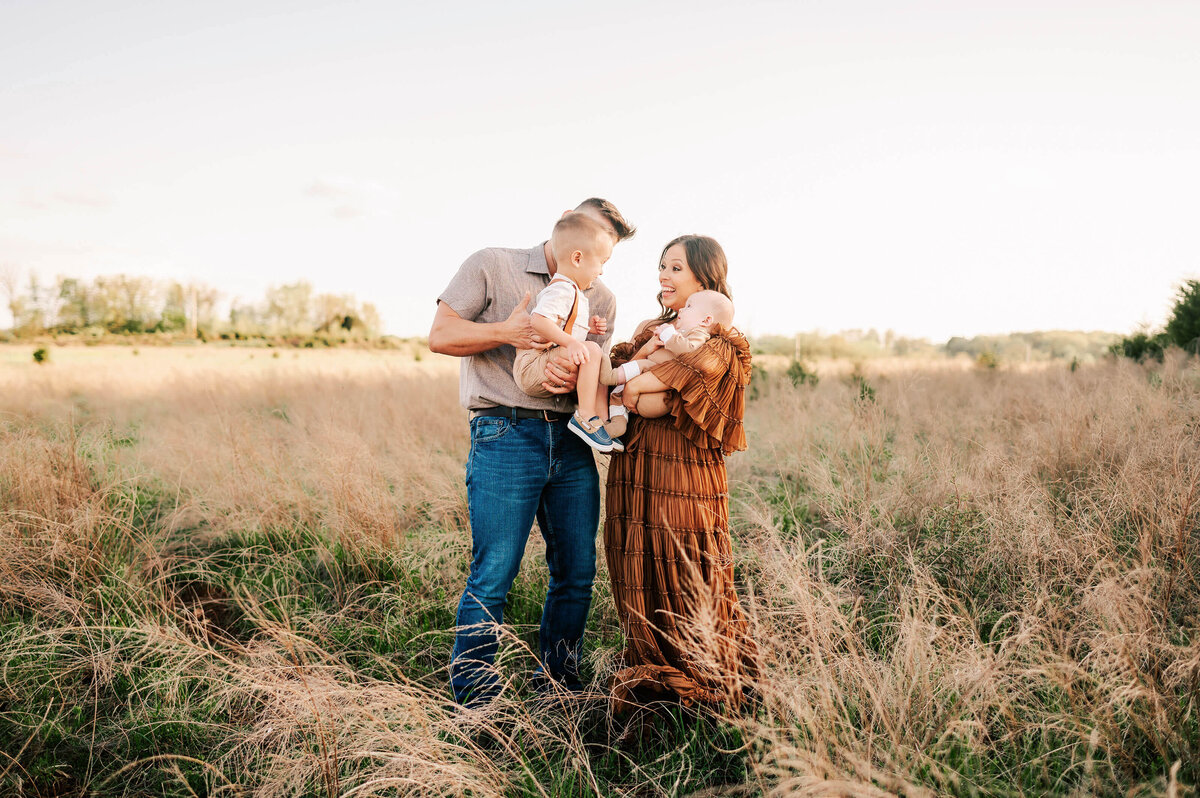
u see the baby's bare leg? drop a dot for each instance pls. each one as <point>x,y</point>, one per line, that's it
<point>652,405</point>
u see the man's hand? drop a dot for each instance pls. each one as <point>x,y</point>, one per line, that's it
<point>520,332</point>
<point>599,325</point>
<point>561,373</point>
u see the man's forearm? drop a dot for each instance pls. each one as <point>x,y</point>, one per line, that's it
<point>453,335</point>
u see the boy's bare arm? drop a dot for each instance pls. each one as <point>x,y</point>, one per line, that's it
<point>549,329</point>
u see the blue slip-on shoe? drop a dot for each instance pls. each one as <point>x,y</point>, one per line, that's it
<point>592,432</point>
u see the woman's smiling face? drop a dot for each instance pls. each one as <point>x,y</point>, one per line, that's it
<point>675,278</point>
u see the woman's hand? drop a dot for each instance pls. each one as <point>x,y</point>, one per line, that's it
<point>650,346</point>
<point>629,397</point>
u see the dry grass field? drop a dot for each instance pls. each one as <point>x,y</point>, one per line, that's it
<point>234,572</point>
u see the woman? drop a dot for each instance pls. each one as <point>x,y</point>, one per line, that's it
<point>666,534</point>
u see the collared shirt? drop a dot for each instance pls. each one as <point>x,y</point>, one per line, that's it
<point>486,288</point>
<point>555,302</point>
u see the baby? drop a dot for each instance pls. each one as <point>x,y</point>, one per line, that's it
<point>581,246</point>
<point>690,329</point>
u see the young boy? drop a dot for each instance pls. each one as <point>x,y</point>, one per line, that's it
<point>688,332</point>
<point>581,246</point>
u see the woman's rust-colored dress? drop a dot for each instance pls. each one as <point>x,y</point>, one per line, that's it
<point>666,533</point>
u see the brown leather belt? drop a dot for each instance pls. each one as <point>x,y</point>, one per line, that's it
<point>519,412</point>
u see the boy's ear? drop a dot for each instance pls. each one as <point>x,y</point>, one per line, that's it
<point>577,257</point>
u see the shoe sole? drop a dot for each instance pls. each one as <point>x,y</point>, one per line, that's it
<point>600,447</point>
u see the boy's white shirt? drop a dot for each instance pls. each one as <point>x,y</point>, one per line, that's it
<point>555,300</point>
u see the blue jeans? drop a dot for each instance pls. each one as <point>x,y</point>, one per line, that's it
<point>519,469</point>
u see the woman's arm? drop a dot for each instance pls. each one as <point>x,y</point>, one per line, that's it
<point>642,383</point>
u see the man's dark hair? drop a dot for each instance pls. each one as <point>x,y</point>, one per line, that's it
<point>622,228</point>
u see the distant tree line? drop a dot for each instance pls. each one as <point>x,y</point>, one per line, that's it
<point>845,344</point>
<point>126,304</point>
<point>1013,347</point>
<point>1026,347</point>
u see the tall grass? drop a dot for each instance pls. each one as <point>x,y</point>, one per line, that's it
<point>228,577</point>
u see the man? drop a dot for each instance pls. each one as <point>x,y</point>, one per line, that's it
<point>524,462</point>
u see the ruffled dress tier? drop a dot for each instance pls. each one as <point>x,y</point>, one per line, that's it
<point>666,534</point>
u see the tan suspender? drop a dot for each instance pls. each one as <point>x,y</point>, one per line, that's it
<point>569,326</point>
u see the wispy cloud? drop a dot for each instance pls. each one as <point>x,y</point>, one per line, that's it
<point>325,190</point>
<point>87,200</point>
<point>348,212</point>
<point>350,199</point>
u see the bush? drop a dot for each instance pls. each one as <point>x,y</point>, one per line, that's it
<point>987,360</point>
<point>799,374</point>
<point>866,393</point>
<point>41,355</point>
<point>1140,346</point>
<point>1183,329</point>
<point>758,381</point>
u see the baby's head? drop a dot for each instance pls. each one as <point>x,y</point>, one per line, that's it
<point>581,245</point>
<point>704,309</point>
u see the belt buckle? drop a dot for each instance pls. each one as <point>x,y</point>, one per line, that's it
<point>546,416</point>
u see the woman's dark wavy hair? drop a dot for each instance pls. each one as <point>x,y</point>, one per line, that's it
<point>707,261</point>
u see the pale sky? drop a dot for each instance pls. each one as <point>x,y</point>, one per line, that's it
<point>937,168</point>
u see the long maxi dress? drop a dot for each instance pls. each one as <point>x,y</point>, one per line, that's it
<point>666,534</point>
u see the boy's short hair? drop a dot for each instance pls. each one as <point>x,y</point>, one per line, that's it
<point>722,307</point>
<point>576,231</point>
<point>622,228</point>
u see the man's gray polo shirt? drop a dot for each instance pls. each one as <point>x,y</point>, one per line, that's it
<point>486,288</point>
